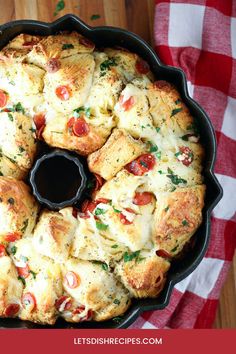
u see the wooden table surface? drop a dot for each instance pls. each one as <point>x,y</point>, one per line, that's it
<point>136,16</point>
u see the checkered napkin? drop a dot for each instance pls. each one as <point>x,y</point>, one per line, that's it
<point>199,36</point>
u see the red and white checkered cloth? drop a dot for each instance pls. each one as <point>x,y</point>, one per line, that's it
<point>199,36</point>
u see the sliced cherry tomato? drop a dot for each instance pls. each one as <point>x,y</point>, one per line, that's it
<point>64,302</point>
<point>88,206</point>
<point>79,310</point>
<point>128,104</point>
<point>123,218</point>
<point>102,200</point>
<point>99,182</point>
<point>142,164</point>
<point>142,198</point>
<point>185,155</point>
<point>12,236</point>
<point>80,127</point>
<point>72,280</point>
<point>53,65</point>
<point>3,98</point>
<point>11,310</point>
<point>28,302</point>
<point>87,43</point>
<point>142,66</point>
<point>163,254</point>
<point>2,251</point>
<point>23,272</point>
<point>63,92</point>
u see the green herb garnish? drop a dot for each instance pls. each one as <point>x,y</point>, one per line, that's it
<point>21,149</point>
<point>167,208</point>
<point>25,224</point>
<point>10,116</point>
<point>178,101</point>
<point>174,178</point>
<point>33,273</point>
<point>99,211</point>
<point>114,246</point>
<point>82,111</point>
<point>175,111</point>
<point>22,280</point>
<point>13,250</point>
<point>95,17</point>
<point>59,6</point>
<point>106,64</point>
<point>130,256</point>
<point>101,226</point>
<point>185,223</point>
<point>102,264</point>
<point>153,147</point>
<point>158,129</point>
<point>67,46</point>
<point>116,210</point>
<point>116,301</point>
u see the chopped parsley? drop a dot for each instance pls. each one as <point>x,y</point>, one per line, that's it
<point>114,246</point>
<point>25,224</point>
<point>106,65</point>
<point>67,46</point>
<point>11,201</point>
<point>13,250</point>
<point>33,273</point>
<point>102,264</point>
<point>178,101</point>
<point>22,280</point>
<point>185,137</point>
<point>116,301</point>
<point>158,129</point>
<point>185,223</point>
<point>99,211</point>
<point>130,256</point>
<point>95,17</point>
<point>174,178</point>
<point>174,249</point>
<point>10,116</point>
<point>82,111</point>
<point>167,208</point>
<point>153,147</point>
<point>101,226</point>
<point>175,111</point>
<point>24,259</point>
<point>21,149</point>
<point>143,164</point>
<point>158,155</point>
<point>116,210</point>
<point>59,6</point>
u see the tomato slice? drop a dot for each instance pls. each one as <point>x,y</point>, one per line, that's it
<point>142,198</point>
<point>102,200</point>
<point>163,254</point>
<point>72,280</point>
<point>3,98</point>
<point>75,212</point>
<point>28,302</point>
<point>87,43</point>
<point>2,251</point>
<point>142,164</point>
<point>53,65</point>
<point>142,66</point>
<point>128,104</point>
<point>185,155</point>
<point>99,182</point>
<point>11,310</point>
<point>80,127</point>
<point>23,272</point>
<point>81,309</point>
<point>63,92</point>
<point>63,303</point>
<point>12,236</point>
<point>123,218</point>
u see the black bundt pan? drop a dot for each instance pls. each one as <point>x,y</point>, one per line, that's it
<point>110,36</point>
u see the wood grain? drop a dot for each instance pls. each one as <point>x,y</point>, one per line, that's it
<point>136,16</point>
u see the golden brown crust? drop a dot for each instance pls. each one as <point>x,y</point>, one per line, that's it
<point>57,134</point>
<point>18,208</point>
<point>119,150</point>
<point>177,216</point>
<point>144,277</point>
